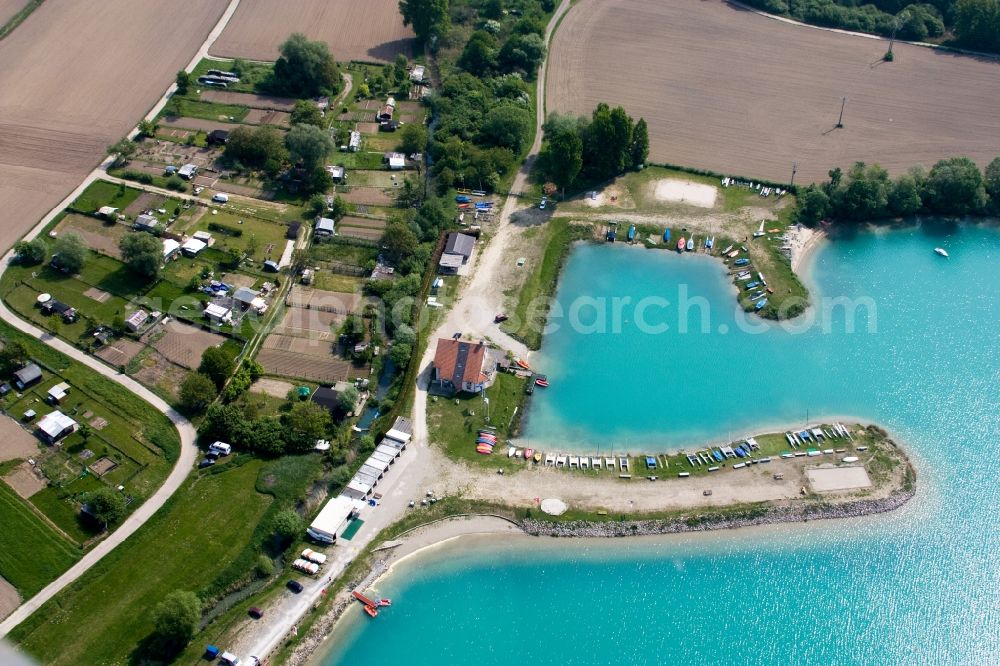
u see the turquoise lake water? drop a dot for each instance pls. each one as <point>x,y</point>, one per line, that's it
<point>921,585</point>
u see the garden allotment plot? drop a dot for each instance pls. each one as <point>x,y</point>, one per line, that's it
<point>735,92</point>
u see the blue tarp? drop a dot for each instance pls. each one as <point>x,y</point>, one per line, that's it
<point>650,462</point>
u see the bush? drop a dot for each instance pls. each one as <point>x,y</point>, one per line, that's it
<point>197,393</point>
<point>138,176</point>
<point>176,619</point>
<point>176,183</point>
<point>30,253</point>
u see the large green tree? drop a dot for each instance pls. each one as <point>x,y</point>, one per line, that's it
<point>197,392</point>
<point>106,505</point>
<point>639,150</point>
<point>305,112</point>
<point>977,24</point>
<point>305,422</point>
<point>69,252</point>
<point>217,364</point>
<point>143,254</point>
<point>429,18</point>
<point>562,155</point>
<point>30,252</point>
<point>992,182</point>
<point>412,138</point>
<point>305,69</point>
<point>309,145</point>
<point>398,242</point>
<point>175,619</point>
<point>507,126</point>
<point>262,147</point>
<point>955,187</point>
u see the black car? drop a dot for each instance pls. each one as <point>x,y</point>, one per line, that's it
<point>212,455</point>
<point>295,586</point>
<point>207,462</point>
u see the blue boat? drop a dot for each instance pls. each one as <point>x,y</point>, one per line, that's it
<point>751,285</point>
<point>631,233</point>
<point>718,456</point>
<point>741,262</point>
<point>760,304</point>
<point>461,198</point>
<point>709,243</point>
<point>666,235</point>
<point>690,245</point>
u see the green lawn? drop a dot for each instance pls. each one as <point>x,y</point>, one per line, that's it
<point>557,236</point>
<point>102,193</point>
<point>64,514</point>
<point>335,282</point>
<point>264,233</point>
<point>189,107</point>
<point>356,255</point>
<point>106,615</point>
<point>33,554</point>
<point>251,73</point>
<point>453,426</point>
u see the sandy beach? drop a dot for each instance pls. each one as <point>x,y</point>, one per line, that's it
<point>804,242</point>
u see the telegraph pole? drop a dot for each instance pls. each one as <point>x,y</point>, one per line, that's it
<point>840,120</point>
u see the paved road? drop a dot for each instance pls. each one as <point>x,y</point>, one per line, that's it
<point>185,430</point>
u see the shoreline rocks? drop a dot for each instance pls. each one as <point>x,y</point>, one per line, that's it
<point>750,517</point>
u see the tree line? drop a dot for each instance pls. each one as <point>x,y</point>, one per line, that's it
<point>582,150</point>
<point>483,107</point>
<point>953,186</point>
<point>975,24</point>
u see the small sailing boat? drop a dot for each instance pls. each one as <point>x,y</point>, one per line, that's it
<point>690,245</point>
<point>681,244</point>
<point>759,232</point>
<point>941,251</point>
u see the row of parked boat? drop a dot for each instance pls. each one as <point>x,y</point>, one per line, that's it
<point>817,435</point>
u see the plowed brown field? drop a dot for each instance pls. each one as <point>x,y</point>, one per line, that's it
<point>735,92</point>
<point>76,76</point>
<point>369,31</point>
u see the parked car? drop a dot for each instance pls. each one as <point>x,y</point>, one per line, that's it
<point>256,613</point>
<point>542,203</point>
<point>220,197</point>
<point>207,462</point>
<point>295,586</point>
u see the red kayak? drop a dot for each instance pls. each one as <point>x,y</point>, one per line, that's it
<point>541,382</point>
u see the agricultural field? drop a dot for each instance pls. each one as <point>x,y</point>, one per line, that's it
<point>371,31</point>
<point>61,107</point>
<point>713,103</point>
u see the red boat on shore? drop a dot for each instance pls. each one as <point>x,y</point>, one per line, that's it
<point>681,244</point>
<point>541,382</point>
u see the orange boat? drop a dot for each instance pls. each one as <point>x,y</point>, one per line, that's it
<point>541,382</point>
<point>523,364</point>
<point>681,244</point>
<point>372,611</point>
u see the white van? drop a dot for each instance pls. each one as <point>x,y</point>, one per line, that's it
<point>230,659</point>
<point>221,448</point>
<point>220,197</point>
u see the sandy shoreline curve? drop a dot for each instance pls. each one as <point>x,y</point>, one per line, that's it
<point>424,538</point>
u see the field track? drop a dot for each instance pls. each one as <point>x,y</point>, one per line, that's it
<point>370,31</point>
<point>728,90</point>
<point>77,76</point>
